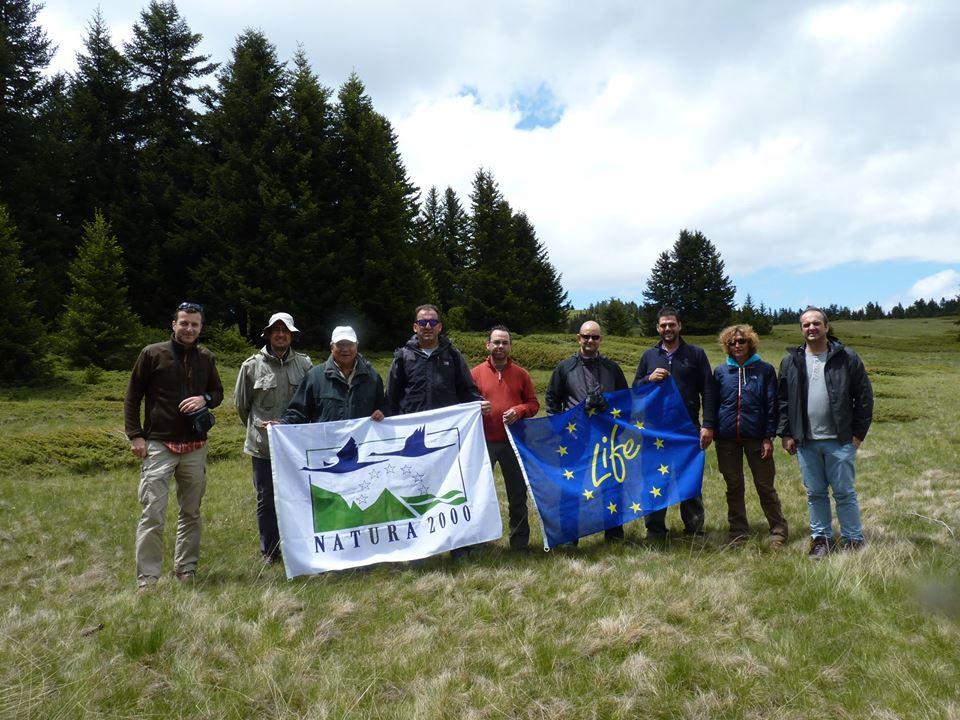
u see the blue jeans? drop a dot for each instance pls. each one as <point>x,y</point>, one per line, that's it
<point>825,465</point>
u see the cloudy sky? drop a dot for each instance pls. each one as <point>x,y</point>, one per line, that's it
<point>816,144</point>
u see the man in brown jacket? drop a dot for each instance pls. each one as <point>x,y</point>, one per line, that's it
<point>179,381</point>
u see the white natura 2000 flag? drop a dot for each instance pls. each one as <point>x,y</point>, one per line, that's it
<point>358,492</point>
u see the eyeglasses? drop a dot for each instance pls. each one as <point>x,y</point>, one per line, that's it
<point>190,307</point>
<point>429,322</point>
<point>589,337</point>
<point>737,341</point>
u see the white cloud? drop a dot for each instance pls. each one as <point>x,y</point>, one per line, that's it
<point>945,283</point>
<point>796,137</point>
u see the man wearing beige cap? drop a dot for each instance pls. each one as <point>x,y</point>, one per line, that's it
<point>345,387</point>
<point>266,382</point>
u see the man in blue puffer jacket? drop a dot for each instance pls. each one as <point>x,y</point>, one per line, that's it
<point>746,424</point>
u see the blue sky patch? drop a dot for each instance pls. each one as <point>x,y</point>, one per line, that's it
<point>539,108</point>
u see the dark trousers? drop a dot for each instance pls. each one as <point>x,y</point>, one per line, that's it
<point>502,452</point>
<point>266,511</point>
<point>730,454</point>
<point>691,512</point>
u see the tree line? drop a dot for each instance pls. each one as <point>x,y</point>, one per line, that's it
<point>691,278</point>
<point>247,187</point>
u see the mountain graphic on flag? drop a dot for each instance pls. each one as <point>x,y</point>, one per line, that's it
<point>347,491</point>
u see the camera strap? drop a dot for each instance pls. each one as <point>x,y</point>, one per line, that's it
<point>176,362</point>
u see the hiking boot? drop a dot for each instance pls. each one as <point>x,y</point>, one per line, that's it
<point>851,545</point>
<point>184,576</point>
<point>819,548</point>
<point>776,542</point>
<point>736,539</point>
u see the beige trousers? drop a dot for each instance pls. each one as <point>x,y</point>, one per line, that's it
<point>156,470</point>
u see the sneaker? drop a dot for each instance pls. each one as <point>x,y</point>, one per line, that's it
<point>184,576</point>
<point>146,584</point>
<point>851,545</point>
<point>819,548</point>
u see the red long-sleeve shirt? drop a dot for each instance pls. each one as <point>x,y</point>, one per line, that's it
<point>509,388</point>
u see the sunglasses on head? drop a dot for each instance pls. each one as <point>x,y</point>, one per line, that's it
<point>737,341</point>
<point>589,337</point>
<point>190,307</point>
<point>429,322</point>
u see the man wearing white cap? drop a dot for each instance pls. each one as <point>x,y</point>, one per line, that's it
<point>345,387</point>
<point>266,382</point>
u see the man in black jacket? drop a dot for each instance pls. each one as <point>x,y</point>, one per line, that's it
<point>585,374</point>
<point>690,369</point>
<point>429,372</point>
<point>826,406</point>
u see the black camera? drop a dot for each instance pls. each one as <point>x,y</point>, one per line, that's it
<point>595,401</point>
<point>200,421</point>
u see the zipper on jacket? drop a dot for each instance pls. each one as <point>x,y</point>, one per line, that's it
<point>740,382</point>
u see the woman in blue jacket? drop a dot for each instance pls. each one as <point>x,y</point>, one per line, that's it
<point>746,424</point>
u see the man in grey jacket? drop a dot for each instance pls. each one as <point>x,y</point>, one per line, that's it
<point>265,385</point>
<point>826,406</point>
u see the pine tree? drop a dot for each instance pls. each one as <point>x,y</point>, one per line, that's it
<point>439,243</point>
<point>21,333</point>
<point>538,282</point>
<point>691,279</point>
<point>238,224</point>
<point>491,286</point>
<point>101,144</point>
<point>166,67</point>
<point>98,327</point>
<point>382,281</point>
<point>304,159</point>
<point>758,318</point>
<point>32,182</point>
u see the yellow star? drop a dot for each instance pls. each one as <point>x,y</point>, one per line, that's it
<point>655,492</point>
<point>664,469</point>
<point>659,444</point>
<point>612,508</point>
<point>638,425</point>
<point>588,494</point>
<point>615,412</point>
<point>591,412</point>
<point>562,450</point>
<point>568,474</point>
<point>571,428</point>
<point>635,507</point>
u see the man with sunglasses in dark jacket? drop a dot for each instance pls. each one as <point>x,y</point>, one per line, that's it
<point>584,376</point>
<point>429,372</point>
<point>690,369</point>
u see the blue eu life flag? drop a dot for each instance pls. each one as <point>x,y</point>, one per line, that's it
<point>592,470</point>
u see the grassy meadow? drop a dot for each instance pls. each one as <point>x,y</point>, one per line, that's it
<point>695,629</point>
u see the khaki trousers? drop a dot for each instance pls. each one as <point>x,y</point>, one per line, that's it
<point>156,470</point>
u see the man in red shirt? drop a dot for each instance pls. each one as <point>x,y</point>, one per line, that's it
<point>509,389</point>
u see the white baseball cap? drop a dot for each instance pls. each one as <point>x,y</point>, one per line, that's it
<point>343,332</point>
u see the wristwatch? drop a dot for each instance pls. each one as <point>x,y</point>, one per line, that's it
<point>207,398</point>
